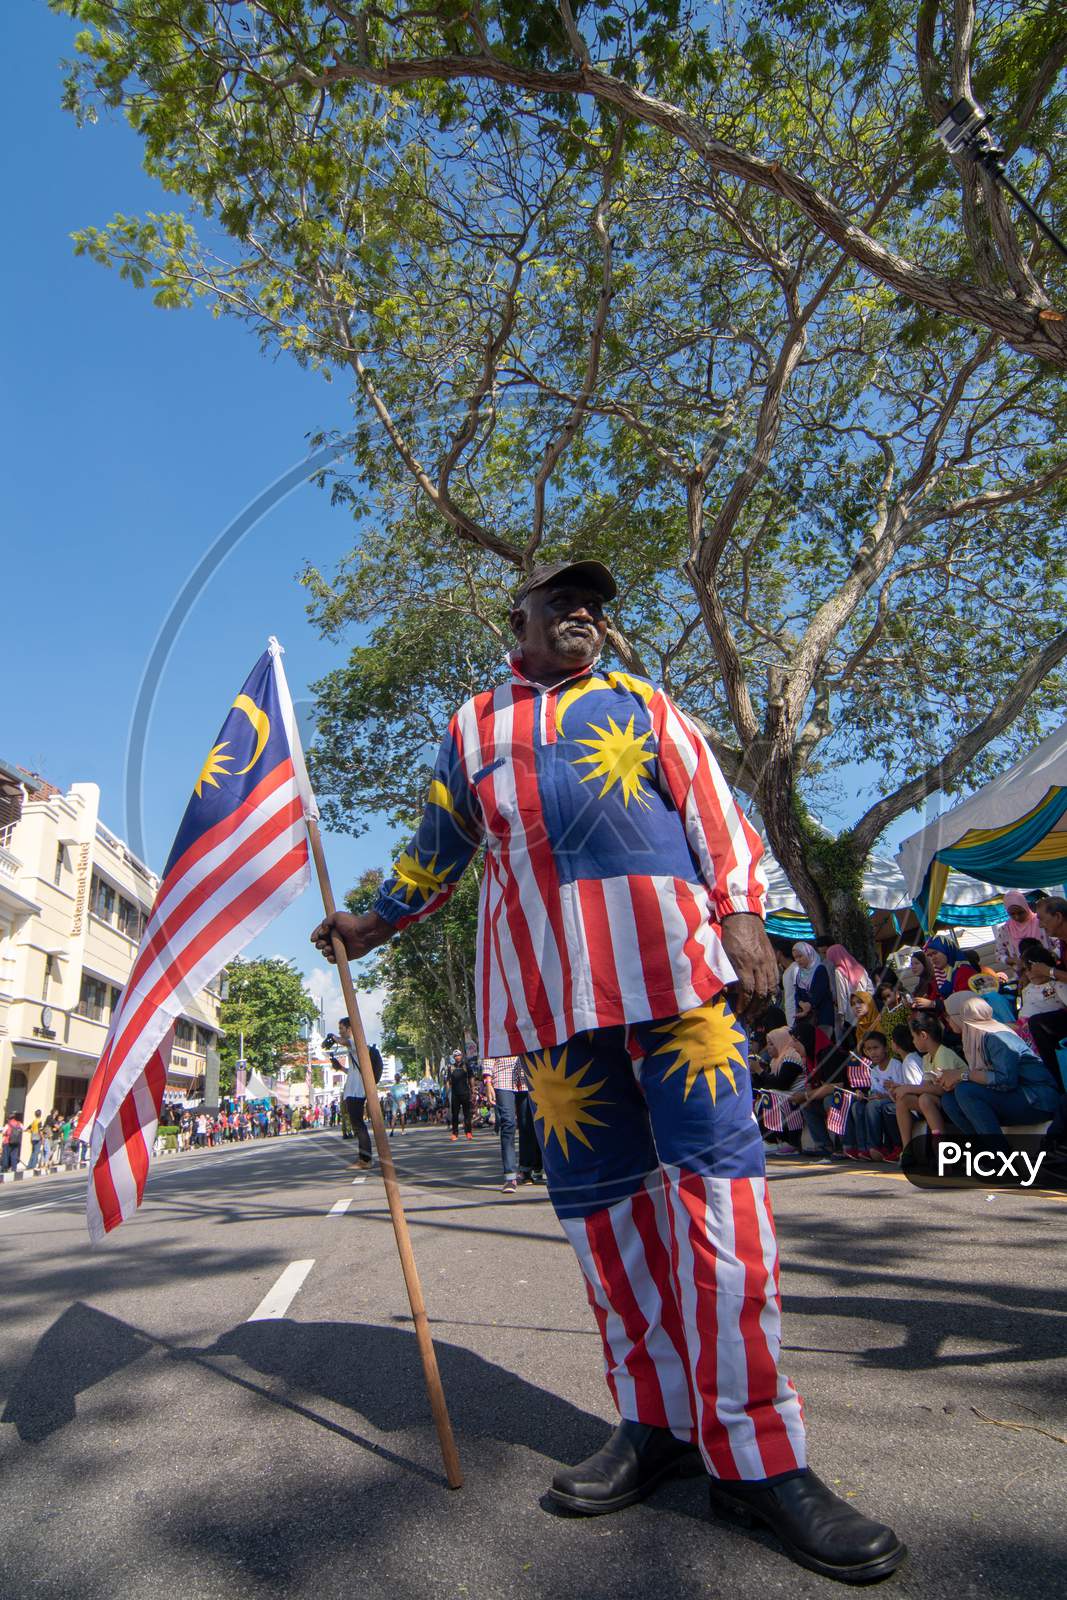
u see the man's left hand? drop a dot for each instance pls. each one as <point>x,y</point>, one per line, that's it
<point>749,952</point>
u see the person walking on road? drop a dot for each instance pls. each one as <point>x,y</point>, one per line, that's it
<point>505,1083</point>
<point>622,898</point>
<point>459,1094</point>
<point>355,1094</point>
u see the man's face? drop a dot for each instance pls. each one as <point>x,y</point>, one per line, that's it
<point>1052,921</point>
<point>562,624</point>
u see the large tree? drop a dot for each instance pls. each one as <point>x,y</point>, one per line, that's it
<point>266,1004</point>
<point>704,299</point>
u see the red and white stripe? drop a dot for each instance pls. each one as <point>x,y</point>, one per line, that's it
<point>226,888</point>
<point>624,1255</point>
<point>683,1282</point>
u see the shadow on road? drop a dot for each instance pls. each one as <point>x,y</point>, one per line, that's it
<point>79,1350</point>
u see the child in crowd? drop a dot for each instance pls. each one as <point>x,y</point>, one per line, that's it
<point>928,1036</point>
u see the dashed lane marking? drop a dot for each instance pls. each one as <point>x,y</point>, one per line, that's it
<point>276,1301</point>
<point>339,1207</point>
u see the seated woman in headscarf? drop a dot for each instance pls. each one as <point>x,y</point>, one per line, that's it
<point>812,987</point>
<point>849,977</point>
<point>925,985</point>
<point>1022,924</point>
<point>952,971</point>
<point>1003,1081</point>
<point>865,1010</point>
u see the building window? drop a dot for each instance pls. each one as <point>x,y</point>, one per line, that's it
<point>203,1041</point>
<point>70,1092</point>
<point>183,1034</point>
<point>116,996</point>
<point>49,974</point>
<point>102,900</point>
<point>131,920</point>
<point>92,1002</point>
<point>61,861</point>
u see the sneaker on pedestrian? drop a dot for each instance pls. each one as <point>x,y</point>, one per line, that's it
<point>508,1186</point>
<point>453,1137</point>
<point>470,1136</point>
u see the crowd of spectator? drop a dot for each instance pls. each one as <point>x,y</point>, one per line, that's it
<point>862,1063</point>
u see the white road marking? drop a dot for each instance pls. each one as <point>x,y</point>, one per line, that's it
<point>276,1301</point>
<point>41,1205</point>
<point>358,1180</point>
<point>339,1207</point>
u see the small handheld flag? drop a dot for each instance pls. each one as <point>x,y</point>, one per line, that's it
<point>240,857</point>
<point>858,1072</point>
<point>777,1113</point>
<point>838,1106</point>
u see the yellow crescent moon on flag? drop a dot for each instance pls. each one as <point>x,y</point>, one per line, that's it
<point>260,721</point>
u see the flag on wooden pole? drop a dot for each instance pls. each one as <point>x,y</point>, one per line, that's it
<point>240,857</point>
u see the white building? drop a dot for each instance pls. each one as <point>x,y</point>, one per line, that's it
<point>73,903</point>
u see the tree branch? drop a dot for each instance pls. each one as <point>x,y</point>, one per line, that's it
<point>874,821</point>
<point>1040,332</point>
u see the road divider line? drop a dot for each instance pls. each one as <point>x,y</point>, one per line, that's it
<point>276,1301</point>
<point>358,1180</point>
<point>339,1207</point>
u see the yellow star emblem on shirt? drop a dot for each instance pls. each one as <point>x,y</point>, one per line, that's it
<point>414,878</point>
<point>619,757</point>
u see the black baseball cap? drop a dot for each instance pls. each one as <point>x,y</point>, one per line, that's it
<point>594,573</point>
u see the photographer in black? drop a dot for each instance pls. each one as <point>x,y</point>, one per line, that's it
<point>353,1092</point>
<point>459,1091</point>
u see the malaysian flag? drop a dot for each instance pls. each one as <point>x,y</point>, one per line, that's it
<point>240,857</point>
<point>778,1114</point>
<point>858,1072</point>
<point>838,1106</point>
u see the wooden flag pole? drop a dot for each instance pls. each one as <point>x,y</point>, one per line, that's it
<point>423,1337</point>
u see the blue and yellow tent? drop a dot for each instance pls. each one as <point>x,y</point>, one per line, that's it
<point>1012,833</point>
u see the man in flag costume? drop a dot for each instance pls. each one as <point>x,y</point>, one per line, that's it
<point>622,894</point>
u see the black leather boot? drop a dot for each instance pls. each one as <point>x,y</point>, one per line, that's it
<point>815,1527</point>
<point>626,1468</point>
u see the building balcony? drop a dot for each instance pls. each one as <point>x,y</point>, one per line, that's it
<point>10,867</point>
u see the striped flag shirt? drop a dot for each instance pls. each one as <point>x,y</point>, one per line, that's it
<point>240,857</point>
<point>613,850</point>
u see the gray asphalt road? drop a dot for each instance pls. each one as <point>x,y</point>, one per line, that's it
<point>156,1442</point>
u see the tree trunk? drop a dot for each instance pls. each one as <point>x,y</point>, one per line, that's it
<point>827,873</point>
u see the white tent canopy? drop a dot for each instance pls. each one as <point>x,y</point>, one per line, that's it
<point>884,887</point>
<point>1026,811</point>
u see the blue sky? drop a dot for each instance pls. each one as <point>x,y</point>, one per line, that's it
<point>133,439</point>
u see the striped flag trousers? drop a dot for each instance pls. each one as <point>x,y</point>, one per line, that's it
<point>662,1195</point>
<point>683,1282</point>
